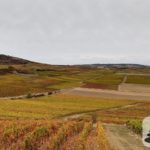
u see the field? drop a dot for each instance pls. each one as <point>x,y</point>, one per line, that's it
<point>64,122</point>
<point>14,85</point>
<point>34,78</point>
<point>54,106</point>
<point>26,124</point>
<point>107,80</point>
<point>52,135</point>
<point>121,115</point>
<point>88,111</point>
<point>142,79</point>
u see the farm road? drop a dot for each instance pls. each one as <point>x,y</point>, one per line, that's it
<point>78,115</point>
<point>121,138</point>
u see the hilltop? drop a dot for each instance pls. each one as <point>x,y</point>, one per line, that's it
<point>10,60</point>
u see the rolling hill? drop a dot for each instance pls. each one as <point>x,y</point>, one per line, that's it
<point>9,60</point>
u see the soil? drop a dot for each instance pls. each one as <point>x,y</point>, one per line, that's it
<point>99,86</point>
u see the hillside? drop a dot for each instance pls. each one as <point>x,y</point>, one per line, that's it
<point>9,60</point>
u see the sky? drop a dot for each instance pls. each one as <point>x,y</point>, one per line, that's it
<point>76,31</point>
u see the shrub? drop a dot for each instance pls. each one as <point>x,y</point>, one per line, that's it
<point>135,125</point>
<point>29,95</point>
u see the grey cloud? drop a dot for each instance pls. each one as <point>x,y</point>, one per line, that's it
<point>69,31</point>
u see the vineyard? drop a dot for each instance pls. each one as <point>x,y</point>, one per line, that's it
<point>36,78</point>
<point>52,135</point>
<point>54,106</point>
<point>77,115</point>
<point>43,81</point>
<point>65,122</point>
<point>121,115</point>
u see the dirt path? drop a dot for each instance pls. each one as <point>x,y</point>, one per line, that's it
<point>78,115</point>
<point>125,79</point>
<point>108,94</point>
<point>136,88</point>
<point>121,138</point>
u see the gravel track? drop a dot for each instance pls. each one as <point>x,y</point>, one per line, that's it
<point>121,138</point>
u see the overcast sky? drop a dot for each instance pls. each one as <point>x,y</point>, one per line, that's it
<point>76,31</point>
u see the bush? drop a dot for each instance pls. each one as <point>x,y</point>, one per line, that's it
<point>29,95</point>
<point>135,125</point>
